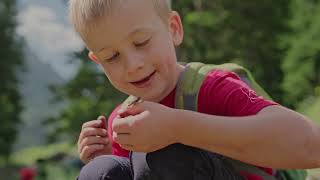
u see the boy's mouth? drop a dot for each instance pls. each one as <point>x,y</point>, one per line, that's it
<point>143,82</point>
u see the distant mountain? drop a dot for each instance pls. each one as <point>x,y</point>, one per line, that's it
<point>35,81</point>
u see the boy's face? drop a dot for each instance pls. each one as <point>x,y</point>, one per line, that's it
<point>136,49</point>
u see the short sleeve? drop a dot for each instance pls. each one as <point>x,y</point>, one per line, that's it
<point>223,93</point>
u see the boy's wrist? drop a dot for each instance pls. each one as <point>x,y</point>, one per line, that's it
<point>183,126</point>
<point>176,125</point>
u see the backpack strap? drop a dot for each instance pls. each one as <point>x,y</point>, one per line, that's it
<point>191,78</point>
<point>187,92</point>
<point>188,87</point>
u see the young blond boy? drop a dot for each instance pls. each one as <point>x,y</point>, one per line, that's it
<point>134,41</point>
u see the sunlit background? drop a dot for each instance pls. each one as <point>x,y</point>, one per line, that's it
<point>48,87</point>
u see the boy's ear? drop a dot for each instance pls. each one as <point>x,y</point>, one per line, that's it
<point>93,57</point>
<point>176,28</point>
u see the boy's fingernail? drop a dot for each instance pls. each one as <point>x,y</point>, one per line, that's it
<point>101,117</point>
<point>121,111</point>
<point>105,132</point>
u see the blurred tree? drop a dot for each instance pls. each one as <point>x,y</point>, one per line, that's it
<point>245,32</point>
<point>301,65</point>
<point>11,59</point>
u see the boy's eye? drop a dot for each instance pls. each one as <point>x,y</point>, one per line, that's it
<point>141,44</point>
<point>113,57</point>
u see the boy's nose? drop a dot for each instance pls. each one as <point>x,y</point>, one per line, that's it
<point>134,62</point>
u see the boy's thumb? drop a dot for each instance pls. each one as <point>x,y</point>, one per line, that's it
<point>103,121</point>
<point>130,111</point>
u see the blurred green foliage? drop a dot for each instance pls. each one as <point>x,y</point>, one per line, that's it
<point>30,156</point>
<point>301,65</point>
<point>244,32</point>
<point>54,161</point>
<point>311,108</point>
<point>10,61</point>
<point>55,171</point>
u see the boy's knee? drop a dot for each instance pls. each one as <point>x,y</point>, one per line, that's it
<point>106,168</point>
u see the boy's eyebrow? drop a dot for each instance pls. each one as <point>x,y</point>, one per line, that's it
<point>137,30</point>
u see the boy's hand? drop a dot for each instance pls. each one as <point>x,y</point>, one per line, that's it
<point>93,140</point>
<point>145,127</point>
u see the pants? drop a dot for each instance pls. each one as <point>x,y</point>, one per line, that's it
<point>175,162</point>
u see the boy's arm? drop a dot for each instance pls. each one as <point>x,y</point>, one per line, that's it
<point>276,137</point>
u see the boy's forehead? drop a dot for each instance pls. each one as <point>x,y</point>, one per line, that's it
<point>122,25</point>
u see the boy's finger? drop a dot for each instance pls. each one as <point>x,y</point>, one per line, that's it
<point>125,113</point>
<point>127,147</point>
<point>132,110</point>
<point>93,123</point>
<point>93,140</point>
<point>92,132</point>
<point>103,122</point>
<point>122,125</point>
<point>122,138</point>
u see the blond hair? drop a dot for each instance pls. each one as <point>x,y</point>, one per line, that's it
<point>85,13</point>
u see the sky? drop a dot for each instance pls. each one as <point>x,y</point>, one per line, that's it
<point>48,33</point>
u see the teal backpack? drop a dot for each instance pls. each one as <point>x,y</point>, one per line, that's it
<point>186,98</point>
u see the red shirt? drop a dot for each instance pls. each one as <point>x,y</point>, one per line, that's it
<point>221,93</point>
